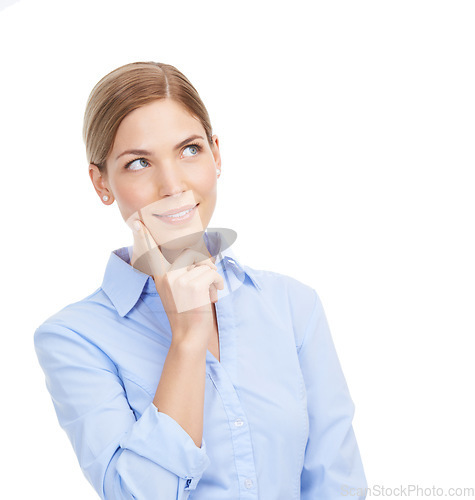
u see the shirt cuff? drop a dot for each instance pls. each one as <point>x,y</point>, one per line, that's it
<point>159,438</point>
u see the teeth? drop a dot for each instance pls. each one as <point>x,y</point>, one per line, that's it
<point>180,214</point>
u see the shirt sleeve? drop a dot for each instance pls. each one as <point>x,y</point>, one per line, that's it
<point>149,458</point>
<point>332,463</point>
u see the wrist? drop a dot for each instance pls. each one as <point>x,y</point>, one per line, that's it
<point>191,343</point>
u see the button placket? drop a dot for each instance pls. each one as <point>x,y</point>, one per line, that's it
<point>222,376</point>
<point>244,458</point>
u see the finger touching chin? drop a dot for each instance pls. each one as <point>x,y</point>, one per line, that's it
<point>136,216</point>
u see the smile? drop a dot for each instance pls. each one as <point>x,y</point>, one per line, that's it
<point>183,216</point>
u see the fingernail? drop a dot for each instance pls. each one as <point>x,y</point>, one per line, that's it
<point>136,225</point>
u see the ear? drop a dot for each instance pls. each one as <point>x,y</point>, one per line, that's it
<point>99,181</point>
<point>215,151</point>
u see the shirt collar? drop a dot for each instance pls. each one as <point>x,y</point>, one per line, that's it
<point>124,284</point>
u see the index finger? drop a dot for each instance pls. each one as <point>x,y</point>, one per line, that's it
<point>150,258</point>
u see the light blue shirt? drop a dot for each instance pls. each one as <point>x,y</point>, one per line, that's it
<point>277,416</point>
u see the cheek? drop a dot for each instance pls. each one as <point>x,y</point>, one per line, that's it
<point>131,199</point>
<point>206,183</point>
<point>207,192</point>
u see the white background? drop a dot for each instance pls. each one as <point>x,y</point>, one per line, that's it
<point>347,138</point>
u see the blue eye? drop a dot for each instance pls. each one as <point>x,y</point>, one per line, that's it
<point>194,149</point>
<point>139,162</point>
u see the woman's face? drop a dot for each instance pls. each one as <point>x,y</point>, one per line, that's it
<point>161,160</point>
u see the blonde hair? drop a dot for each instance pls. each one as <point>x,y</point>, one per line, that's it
<point>127,88</point>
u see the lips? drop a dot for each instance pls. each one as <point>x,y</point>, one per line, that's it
<point>176,210</point>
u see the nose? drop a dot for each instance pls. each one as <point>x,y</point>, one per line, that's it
<point>170,180</point>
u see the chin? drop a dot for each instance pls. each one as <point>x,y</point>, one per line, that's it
<point>183,241</point>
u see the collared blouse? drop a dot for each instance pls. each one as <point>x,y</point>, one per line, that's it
<point>277,414</point>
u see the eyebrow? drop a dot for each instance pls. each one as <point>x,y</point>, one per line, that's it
<point>144,152</point>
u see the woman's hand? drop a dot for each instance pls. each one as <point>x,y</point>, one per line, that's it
<point>187,287</point>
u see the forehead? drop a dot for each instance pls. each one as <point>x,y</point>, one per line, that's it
<point>163,121</point>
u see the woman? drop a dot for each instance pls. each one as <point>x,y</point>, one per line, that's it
<point>188,374</point>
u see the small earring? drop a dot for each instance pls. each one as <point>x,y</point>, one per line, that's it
<point>218,171</point>
<point>105,197</point>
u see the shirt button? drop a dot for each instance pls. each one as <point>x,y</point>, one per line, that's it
<point>239,422</point>
<point>248,483</point>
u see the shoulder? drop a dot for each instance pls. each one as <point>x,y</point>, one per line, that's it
<point>77,319</point>
<point>289,297</point>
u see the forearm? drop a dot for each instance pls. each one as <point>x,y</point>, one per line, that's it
<point>181,390</point>
<point>122,456</point>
